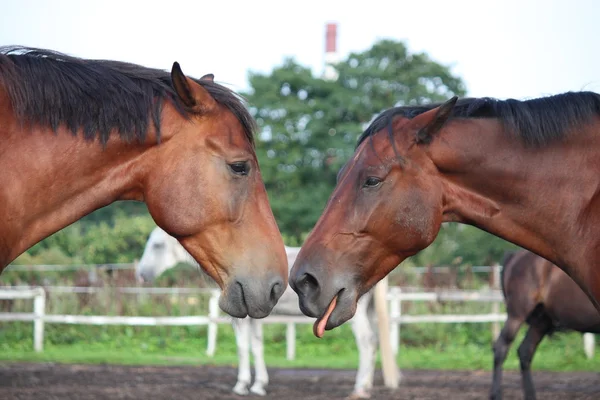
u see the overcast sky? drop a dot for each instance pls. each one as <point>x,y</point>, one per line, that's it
<point>507,48</point>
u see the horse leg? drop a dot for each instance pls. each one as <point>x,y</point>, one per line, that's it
<point>366,341</point>
<point>261,380</point>
<point>537,330</point>
<point>589,344</point>
<point>241,328</point>
<point>501,346</point>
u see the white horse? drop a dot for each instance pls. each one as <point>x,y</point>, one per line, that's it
<point>162,252</point>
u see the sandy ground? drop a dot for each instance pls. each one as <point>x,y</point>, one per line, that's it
<point>58,381</point>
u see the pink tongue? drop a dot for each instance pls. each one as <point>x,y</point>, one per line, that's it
<point>319,326</point>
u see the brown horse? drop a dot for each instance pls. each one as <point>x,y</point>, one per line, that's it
<point>539,293</point>
<point>80,134</point>
<point>526,171</point>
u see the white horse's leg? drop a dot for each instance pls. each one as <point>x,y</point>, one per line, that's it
<point>366,341</point>
<point>241,327</point>
<point>261,380</point>
<point>589,343</point>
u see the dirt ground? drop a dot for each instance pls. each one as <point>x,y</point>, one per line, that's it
<point>82,382</point>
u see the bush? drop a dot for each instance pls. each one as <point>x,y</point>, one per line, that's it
<point>118,240</point>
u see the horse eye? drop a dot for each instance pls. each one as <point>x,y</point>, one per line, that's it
<point>372,181</point>
<point>239,168</point>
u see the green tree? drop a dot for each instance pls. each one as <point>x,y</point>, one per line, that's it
<point>309,125</point>
<point>463,244</point>
<point>118,240</point>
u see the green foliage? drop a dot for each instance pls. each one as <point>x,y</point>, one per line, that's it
<point>454,346</point>
<point>46,255</point>
<point>463,245</point>
<point>123,241</point>
<point>120,239</point>
<point>309,125</point>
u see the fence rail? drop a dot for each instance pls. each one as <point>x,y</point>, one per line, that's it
<point>39,306</point>
<point>407,295</point>
<point>68,267</point>
<point>395,296</point>
<point>119,289</point>
<point>114,266</point>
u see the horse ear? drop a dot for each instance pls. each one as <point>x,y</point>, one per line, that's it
<point>192,95</point>
<point>429,123</point>
<point>208,77</point>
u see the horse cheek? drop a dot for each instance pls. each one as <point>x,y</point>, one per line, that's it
<point>417,221</point>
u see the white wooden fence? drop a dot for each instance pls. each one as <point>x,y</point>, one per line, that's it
<point>395,296</point>
<point>39,305</point>
<point>116,266</point>
<point>68,267</point>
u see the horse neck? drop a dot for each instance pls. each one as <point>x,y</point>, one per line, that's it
<point>55,178</point>
<point>492,181</point>
<point>184,256</point>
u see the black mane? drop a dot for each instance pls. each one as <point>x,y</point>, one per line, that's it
<point>537,122</point>
<point>48,88</point>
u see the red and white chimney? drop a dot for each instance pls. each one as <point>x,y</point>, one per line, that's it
<point>331,54</point>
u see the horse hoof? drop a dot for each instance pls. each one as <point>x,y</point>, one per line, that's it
<point>258,389</point>
<point>359,394</point>
<point>241,389</point>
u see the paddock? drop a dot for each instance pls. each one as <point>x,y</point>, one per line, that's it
<point>59,381</point>
<point>22,381</point>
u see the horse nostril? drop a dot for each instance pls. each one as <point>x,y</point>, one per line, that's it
<point>277,290</point>
<point>307,284</point>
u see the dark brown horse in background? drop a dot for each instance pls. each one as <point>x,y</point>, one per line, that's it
<point>540,294</point>
<point>526,171</point>
<point>80,134</point>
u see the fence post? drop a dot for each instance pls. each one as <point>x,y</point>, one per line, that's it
<point>495,304</point>
<point>589,342</point>
<point>395,313</point>
<point>290,335</point>
<point>213,313</point>
<point>388,361</point>
<point>39,306</point>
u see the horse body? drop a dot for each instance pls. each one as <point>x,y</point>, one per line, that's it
<point>163,252</point>
<point>511,191</point>
<point>528,172</point>
<point>80,134</point>
<point>540,294</point>
<point>530,281</point>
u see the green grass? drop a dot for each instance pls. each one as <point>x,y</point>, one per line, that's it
<point>426,346</point>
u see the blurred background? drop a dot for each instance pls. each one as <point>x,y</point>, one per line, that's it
<point>314,74</point>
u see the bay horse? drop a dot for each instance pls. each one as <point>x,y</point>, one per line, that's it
<point>163,252</point>
<point>542,295</point>
<point>526,171</point>
<point>80,134</point>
